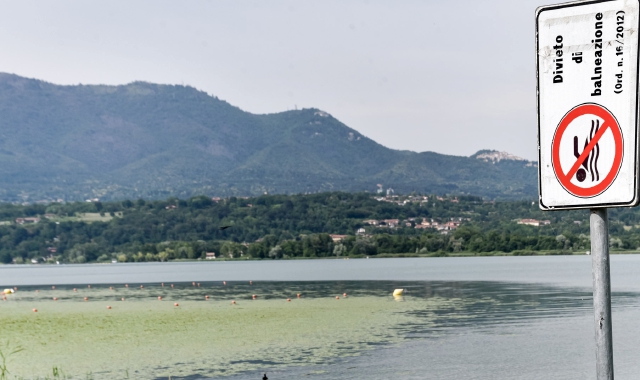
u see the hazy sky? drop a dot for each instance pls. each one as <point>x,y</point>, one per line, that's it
<point>446,76</point>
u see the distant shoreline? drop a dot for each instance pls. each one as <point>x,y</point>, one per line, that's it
<point>380,256</point>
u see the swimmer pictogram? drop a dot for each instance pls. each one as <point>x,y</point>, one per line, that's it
<point>590,164</point>
<point>587,150</point>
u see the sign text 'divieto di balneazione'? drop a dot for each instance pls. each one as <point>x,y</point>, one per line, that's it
<point>587,67</point>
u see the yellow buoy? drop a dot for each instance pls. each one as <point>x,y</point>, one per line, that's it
<point>8,291</point>
<point>398,292</point>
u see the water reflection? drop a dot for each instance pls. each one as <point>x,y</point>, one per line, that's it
<point>510,296</point>
<point>434,308</point>
<point>473,303</point>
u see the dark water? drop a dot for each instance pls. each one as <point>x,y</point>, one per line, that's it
<point>493,330</point>
<point>509,317</point>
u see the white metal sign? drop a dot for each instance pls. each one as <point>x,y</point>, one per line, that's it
<point>587,69</point>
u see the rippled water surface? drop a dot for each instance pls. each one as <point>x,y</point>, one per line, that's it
<point>460,318</point>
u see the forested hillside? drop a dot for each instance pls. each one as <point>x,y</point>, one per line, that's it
<point>279,226</point>
<point>150,141</point>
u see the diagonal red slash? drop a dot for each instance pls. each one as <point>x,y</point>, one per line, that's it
<point>587,150</point>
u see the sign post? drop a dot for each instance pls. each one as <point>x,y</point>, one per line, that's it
<point>588,122</point>
<point>601,292</point>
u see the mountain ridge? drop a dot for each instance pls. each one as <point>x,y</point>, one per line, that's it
<point>154,141</point>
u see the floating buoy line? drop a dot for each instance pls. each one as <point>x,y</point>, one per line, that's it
<point>10,291</point>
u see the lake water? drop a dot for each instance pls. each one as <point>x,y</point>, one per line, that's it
<point>509,317</point>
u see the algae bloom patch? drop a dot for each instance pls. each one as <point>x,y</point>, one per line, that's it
<point>149,339</point>
<point>140,337</point>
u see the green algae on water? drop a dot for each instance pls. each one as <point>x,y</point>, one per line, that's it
<point>145,338</point>
<point>151,338</point>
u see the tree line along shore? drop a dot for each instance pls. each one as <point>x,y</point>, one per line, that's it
<point>322,225</point>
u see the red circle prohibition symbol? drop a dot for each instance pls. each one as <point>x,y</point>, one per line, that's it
<point>609,123</point>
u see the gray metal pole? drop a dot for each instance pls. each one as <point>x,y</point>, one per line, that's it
<point>599,223</point>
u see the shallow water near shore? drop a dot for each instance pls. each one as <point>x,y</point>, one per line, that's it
<point>452,328</point>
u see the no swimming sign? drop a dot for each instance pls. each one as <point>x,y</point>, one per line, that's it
<point>587,71</point>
